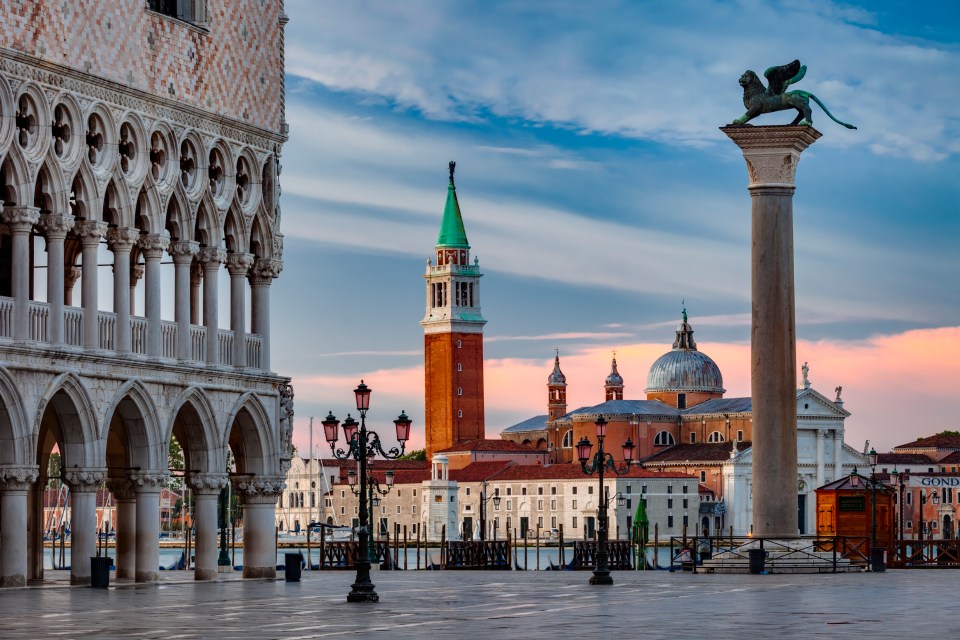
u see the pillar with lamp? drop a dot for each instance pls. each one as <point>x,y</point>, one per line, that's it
<point>363,446</point>
<point>601,461</point>
<point>484,498</point>
<point>374,491</point>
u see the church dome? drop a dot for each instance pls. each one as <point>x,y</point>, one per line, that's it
<point>556,376</point>
<point>684,368</point>
<point>614,379</point>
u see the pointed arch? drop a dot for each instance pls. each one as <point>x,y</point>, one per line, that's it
<point>147,212</point>
<point>50,192</point>
<point>15,185</point>
<point>249,435</point>
<point>141,436</point>
<point>84,197</point>
<point>194,423</point>
<point>261,237</point>
<point>178,222</point>
<point>206,229</point>
<point>235,230</point>
<point>66,413</point>
<point>117,208</point>
<point>15,442</point>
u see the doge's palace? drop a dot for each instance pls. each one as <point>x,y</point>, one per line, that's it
<point>139,156</point>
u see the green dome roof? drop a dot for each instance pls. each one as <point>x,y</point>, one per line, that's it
<point>452,233</point>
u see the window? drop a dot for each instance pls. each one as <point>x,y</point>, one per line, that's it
<point>553,505</point>
<point>343,511</point>
<point>684,488</point>
<point>670,522</point>
<point>739,436</point>
<point>523,491</point>
<point>669,488</point>
<point>663,439</point>
<point>509,504</point>
<point>681,401</point>
<point>509,523</point>
<point>909,525</point>
<point>191,11</point>
<point>553,522</point>
<point>413,510</point>
<point>643,488</point>
<point>693,438</point>
<point>574,491</point>
<point>574,522</point>
<point>496,523</point>
<point>540,521</point>
<point>468,490</point>
<point>703,476</point>
<point>459,344</point>
<point>909,498</point>
<point>459,391</point>
<point>686,521</point>
<point>414,493</point>
<point>539,491</point>
<point>509,491</point>
<point>459,367</point>
<point>343,494</point>
<point>685,505</point>
<point>539,505</point>
<point>438,498</point>
<point>459,413</point>
<point>590,490</point>
<point>567,442</point>
<point>629,506</point>
<point>629,489</point>
<point>669,503</point>
<point>716,436</point>
<point>466,508</point>
<point>553,491</point>
<point>574,505</point>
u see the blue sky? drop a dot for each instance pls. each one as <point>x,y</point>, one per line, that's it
<point>598,192</point>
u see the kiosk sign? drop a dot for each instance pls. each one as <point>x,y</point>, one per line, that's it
<point>851,503</point>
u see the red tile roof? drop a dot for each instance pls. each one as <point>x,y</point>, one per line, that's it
<point>572,472</point>
<point>492,445</point>
<point>953,458</point>
<point>903,458</point>
<point>938,441</point>
<point>480,471</point>
<point>696,453</point>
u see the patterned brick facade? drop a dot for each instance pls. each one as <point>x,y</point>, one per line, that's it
<point>454,389</point>
<point>231,65</point>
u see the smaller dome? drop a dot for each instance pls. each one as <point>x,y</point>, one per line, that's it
<point>556,376</point>
<point>614,379</point>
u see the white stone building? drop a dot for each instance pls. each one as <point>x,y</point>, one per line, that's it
<point>135,135</point>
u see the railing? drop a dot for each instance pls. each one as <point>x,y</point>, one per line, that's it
<point>466,269</point>
<point>474,554</point>
<point>686,552</point>
<point>343,555</point>
<point>38,318</point>
<point>907,554</point>
<point>620,555</point>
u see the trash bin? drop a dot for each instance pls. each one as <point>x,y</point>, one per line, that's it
<point>877,559</point>
<point>292,566</point>
<point>100,572</point>
<point>757,559</point>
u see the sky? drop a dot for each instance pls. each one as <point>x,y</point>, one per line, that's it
<point>599,195</point>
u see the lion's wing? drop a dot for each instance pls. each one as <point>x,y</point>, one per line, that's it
<point>778,78</point>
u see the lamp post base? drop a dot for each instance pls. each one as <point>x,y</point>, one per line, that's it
<point>601,576</point>
<point>363,596</point>
<point>363,589</point>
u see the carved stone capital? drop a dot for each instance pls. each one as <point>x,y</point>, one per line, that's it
<point>264,271</point>
<point>122,239</point>
<point>207,483</point>
<point>259,489</point>
<point>84,480</point>
<point>196,274</point>
<point>772,153</point>
<point>153,246</point>
<point>70,277</point>
<point>18,478</point>
<point>238,264</point>
<point>211,257</point>
<point>136,272</point>
<point>91,232</point>
<point>148,481</point>
<point>182,251</point>
<point>55,226</point>
<point>20,219</point>
<point>121,489</point>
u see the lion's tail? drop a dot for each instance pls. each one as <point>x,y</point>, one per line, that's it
<point>824,107</point>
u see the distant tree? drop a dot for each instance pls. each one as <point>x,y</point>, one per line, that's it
<point>175,463</point>
<point>949,433</point>
<point>416,454</point>
<point>53,470</point>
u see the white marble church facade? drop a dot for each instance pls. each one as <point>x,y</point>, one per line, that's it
<point>125,144</point>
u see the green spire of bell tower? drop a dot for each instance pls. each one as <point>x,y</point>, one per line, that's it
<point>452,233</point>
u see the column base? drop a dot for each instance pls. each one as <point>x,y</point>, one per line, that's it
<point>205,574</point>
<point>79,581</point>
<point>224,569</point>
<point>363,597</point>
<point>259,572</point>
<point>147,576</point>
<point>13,581</point>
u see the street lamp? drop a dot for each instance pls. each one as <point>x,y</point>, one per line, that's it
<point>873,509</point>
<point>899,479</point>
<point>933,497</point>
<point>484,498</point>
<point>374,491</point>
<point>600,461</point>
<point>361,445</point>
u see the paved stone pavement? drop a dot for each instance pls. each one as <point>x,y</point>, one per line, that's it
<point>896,604</point>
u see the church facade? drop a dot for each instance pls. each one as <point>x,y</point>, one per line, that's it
<point>139,158</point>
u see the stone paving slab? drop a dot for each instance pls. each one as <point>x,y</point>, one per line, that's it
<point>530,605</point>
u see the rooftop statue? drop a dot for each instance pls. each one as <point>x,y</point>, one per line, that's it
<point>759,99</point>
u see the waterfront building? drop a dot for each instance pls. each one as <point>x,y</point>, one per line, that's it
<point>139,157</point>
<point>927,479</point>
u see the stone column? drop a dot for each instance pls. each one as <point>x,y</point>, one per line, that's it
<point>211,258</point>
<point>91,233</point>
<point>147,485</point>
<point>120,242</point>
<point>259,517</point>
<point>821,436</point>
<point>126,497</point>
<point>182,253</point>
<point>136,273</point>
<point>261,277</point>
<point>15,482</point>
<point>196,279</point>
<point>83,485</point>
<point>206,490</point>
<point>152,248</point>
<point>238,264</point>
<point>837,454</point>
<point>20,221</point>
<point>772,154</point>
<point>55,229</point>
<point>70,276</point>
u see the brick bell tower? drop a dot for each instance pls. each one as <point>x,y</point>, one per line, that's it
<point>453,337</point>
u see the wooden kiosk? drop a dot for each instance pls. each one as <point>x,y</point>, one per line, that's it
<point>845,507</point>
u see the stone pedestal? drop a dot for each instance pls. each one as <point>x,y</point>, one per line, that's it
<point>206,490</point>
<point>772,154</point>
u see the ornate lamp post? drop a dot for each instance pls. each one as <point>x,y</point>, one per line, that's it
<point>484,498</point>
<point>873,507</point>
<point>361,446</point>
<point>933,497</point>
<point>601,461</point>
<point>373,492</point>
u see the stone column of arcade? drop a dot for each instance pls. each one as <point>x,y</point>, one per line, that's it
<point>148,485</point>
<point>91,233</point>
<point>238,264</point>
<point>55,229</point>
<point>83,485</point>
<point>20,221</point>
<point>259,512</point>
<point>120,242</point>
<point>152,248</point>
<point>15,482</point>
<point>772,154</point>
<point>183,252</point>
<point>262,274</point>
<point>206,489</point>
<point>126,552</point>
<point>211,258</point>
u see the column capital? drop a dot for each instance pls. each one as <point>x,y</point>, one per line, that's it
<point>121,489</point>
<point>259,489</point>
<point>264,271</point>
<point>136,272</point>
<point>84,480</point>
<point>19,478</point>
<point>182,251</point>
<point>70,276</point>
<point>772,152</point>
<point>211,257</point>
<point>20,219</point>
<point>153,245</point>
<point>91,232</point>
<point>122,238</point>
<point>148,481</point>
<point>238,264</point>
<point>56,226</point>
<point>207,483</point>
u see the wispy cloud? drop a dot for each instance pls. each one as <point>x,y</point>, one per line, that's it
<point>573,335</point>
